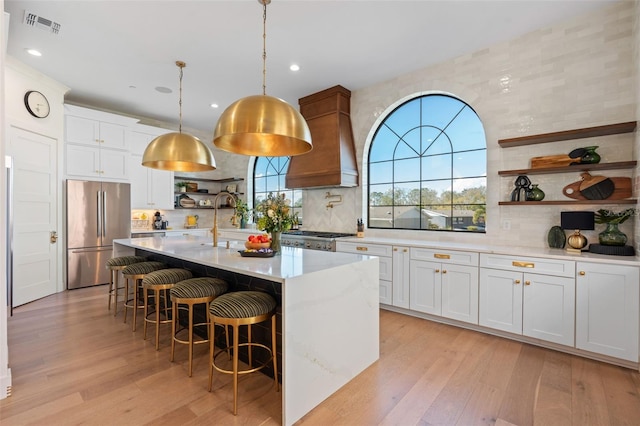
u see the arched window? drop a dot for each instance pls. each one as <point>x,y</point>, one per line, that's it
<point>268,176</point>
<point>428,167</point>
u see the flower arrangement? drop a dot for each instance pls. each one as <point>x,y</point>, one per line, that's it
<point>608,216</point>
<point>273,214</point>
<point>241,210</point>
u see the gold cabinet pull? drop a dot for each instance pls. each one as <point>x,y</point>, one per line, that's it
<point>444,271</point>
<point>523,264</point>
<point>441,256</point>
<point>527,282</point>
<point>395,249</point>
<point>437,271</point>
<point>581,272</point>
<point>405,250</point>
<point>361,248</point>
<point>517,281</point>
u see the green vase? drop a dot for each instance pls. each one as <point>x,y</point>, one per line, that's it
<point>243,223</point>
<point>275,241</point>
<point>590,156</point>
<point>612,236</point>
<point>535,193</point>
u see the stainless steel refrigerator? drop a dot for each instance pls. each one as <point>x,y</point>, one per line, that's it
<point>97,214</point>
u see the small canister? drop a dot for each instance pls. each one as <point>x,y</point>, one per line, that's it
<point>360,228</point>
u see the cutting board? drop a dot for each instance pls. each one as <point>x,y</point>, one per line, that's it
<point>622,188</point>
<point>552,161</point>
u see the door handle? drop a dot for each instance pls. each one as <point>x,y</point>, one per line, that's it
<point>517,281</point>
<point>99,213</point>
<point>527,282</point>
<point>53,237</point>
<point>104,213</point>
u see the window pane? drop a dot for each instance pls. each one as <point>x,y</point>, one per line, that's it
<point>381,195</point>
<point>406,170</point>
<point>404,118</point>
<point>470,163</point>
<point>406,193</point>
<point>380,217</point>
<point>407,217</point>
<point>434,142</point>
<point>381,172</point>
<point>436,167</point>
<point>467,131</point>
<point>260,184</point>
<point>383,145</point>
<point>409,146</point>
<point>436,217</point>
<point>438,110</point>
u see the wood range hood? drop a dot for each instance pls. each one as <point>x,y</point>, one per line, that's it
<point>332,161</point>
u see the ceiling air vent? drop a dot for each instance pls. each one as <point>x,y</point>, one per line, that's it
<point>33,20</point>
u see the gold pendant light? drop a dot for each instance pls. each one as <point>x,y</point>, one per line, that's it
<point>262,125</point>
<point>178,151</point>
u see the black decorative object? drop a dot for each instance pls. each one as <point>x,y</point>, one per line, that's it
<point>556,237</point>
<point>612,250</point>
<point>523,184</point>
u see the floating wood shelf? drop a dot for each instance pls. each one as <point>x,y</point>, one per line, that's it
<point>570,169</point>
<point>189,178</point>
<point>561,202</point>
<point>587,132</point>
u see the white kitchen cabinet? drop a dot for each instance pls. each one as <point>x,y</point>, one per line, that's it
<point>607,309</point>
<point>401,273</point>
<point>150,188</point>
<point>538,305</point>
<point>385,264</point>
<point>198,232</point>
<point>140,136</point>
<point>445,286</point>
<point>96,144</point>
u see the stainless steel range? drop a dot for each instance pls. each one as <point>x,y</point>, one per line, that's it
<point>313,240</point>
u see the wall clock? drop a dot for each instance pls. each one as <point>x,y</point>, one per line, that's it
<point>36,103</point>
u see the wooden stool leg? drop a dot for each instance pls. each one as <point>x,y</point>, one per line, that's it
<point>156,294</point>
<point>236,331</point>
<point>126,297</point>
<point>249,350</point>
<point>135,304</point>
<point>110,286</point>
<point>115,292</point>
<point>273,348</point>
<point>146,312</point>
<point>174,327</point>
<point>190,339</point>
<point>212,338</point>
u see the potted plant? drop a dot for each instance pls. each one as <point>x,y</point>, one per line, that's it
<point>612,236</point>
<point>182,186</point>
<point>241,212</point>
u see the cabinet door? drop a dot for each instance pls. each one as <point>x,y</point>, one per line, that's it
<point>161,188</point>
<point>81,131</point>
<point>548,308</point>
<point>426,287</point>
<point>460,293</point>
<point>386,287</point>
<point>114,165</point>
<point>607,312</point>
<point>400,274</point>
<point>112,136</point>
<point>82,161</point>
<point>139,184</point>
<point>501,300</point>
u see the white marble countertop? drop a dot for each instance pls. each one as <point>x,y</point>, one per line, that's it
<point>292,262</point>
<point>506,250</point>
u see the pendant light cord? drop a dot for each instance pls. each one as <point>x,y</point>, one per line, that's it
<point>180,65</point>
<point>264,47</point>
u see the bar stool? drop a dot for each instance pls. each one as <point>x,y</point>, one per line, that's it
<point>236,309</point>
<point>136,272</point>
<point>159,282</point>
<point>115,265</point>
<point>192,292</point>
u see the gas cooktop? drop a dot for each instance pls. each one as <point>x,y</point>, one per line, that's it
<point>318,234</point>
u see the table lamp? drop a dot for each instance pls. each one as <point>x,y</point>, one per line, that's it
<point>577,221</point>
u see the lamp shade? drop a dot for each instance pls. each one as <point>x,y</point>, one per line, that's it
<point>577,220</point>
<point>262,125</point>
<point>178,152</point>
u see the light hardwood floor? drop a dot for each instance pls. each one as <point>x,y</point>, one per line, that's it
<point>74,363</point>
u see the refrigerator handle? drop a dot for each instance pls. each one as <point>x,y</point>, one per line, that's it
<point>99,213</point>
<point>104,213</point>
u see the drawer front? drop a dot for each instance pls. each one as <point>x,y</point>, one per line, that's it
<point>386,268</point>
<point>362,248</point>
<point>536,265</point>
<point>445,256</point>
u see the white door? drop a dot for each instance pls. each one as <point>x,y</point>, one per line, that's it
<point>549,308</point>
<point>425,282</point>
<point>501,300</point>
<point>400,277</point>
<point>460,292</point>
<point>34,215</point>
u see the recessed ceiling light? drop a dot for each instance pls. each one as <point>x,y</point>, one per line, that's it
<point>33,52</point>
<point>294,67</point>
<point>214,105</point>
<point>163,89</point>
<point>132,87</point>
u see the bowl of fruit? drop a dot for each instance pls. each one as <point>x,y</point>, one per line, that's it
<point>256,242</point>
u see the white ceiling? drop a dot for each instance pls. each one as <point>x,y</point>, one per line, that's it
<point>113,54</point>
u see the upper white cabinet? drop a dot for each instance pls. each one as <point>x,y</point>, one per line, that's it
<point>529,296</point>
<point>96,144</point>
<point>607,311</point>
<point>445,283</point>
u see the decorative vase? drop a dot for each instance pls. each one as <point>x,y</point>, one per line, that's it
<point>535,193</point>
<point>612,236</point>
<point>243,223</point>
<point>275,241</point>
<point>590,156</point>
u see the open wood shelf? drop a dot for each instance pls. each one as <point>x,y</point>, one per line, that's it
<point>570,169</point>
<point>587,132</point>
<point>561,202</point>
<point>188,178</point>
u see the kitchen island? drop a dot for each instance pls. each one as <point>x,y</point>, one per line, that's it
<point>328,307</point>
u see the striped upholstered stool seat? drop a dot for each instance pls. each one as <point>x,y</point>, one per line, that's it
<point>236,309</point>
<point>192,292</point>
<point>159,282</point>
<point>136,272</point>
<point>115,265</point>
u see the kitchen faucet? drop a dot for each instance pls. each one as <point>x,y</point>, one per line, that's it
<point>215,216</point>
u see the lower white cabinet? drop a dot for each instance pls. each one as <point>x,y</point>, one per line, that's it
<point>401,274</point>
<point>531,304</point>
<point>150,188</point>
<point>200,232</point>
<point>443,287</point>
<point>607,311</point>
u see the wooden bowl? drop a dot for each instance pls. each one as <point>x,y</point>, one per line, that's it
<point>256,246</point>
